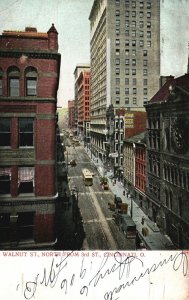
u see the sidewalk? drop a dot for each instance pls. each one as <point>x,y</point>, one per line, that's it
<point>154,240</point>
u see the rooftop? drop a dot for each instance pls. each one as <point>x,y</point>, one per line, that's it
<point>29,32</point>
<point>139,138</point>
<point>164,92</point>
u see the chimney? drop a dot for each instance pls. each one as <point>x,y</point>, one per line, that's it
<point>30,29</point>
<point>164,79</point>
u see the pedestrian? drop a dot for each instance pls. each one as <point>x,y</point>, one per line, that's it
<point>123,192</point>
<point>142,221</point>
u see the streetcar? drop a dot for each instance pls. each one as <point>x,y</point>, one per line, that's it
<point>87,177</point>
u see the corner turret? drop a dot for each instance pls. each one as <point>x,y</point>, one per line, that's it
<point>53,38</point>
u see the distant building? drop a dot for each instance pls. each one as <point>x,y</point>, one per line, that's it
<point>29,77</point>
<point>124,124</point>
<point>134,167</point>
<point>125,62</point>
<point>71,114</point>
<point>140,171</point>
<point>129,165</point>
<point>168,159</point>
<point>84,104</point>
<point>79,68</point>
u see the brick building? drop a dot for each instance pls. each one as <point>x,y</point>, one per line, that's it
<point>134,166</point>
<point>84,99</point>
<point>140,170</point>
<point>78,70</point>
<point>29,77</point>
<point>71,114</point>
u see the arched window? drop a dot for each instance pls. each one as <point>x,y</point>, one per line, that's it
<point>14,81</point>
<point>31,81</point>
<point>1,82</point>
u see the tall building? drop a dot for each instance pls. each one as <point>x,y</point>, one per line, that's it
<point>84,100</point>
<point>71,114</point>
<point>79,68</point>
<point>125,61</point>
<point>167,188</point>
<point>29,77</point>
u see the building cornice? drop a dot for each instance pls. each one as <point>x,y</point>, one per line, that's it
<point>30,54</point>
<point>29,201</point>
<point>28,99</point>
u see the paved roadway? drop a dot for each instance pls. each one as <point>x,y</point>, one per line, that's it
<point>101,232</point>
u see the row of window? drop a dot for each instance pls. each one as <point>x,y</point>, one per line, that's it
<point>25,130</point>
<point>153,139</point>
<point>134,24</point>
<point>141,154</point>
<point>134,81</point>
<point>132,52</point>
<point>133,71</point>
<point>134,33</point>
<point>23,223</point>
<point>177,177</point>
<point>134,43</point>
<point>134,100</point>
<point>133,3</point>
<point>25,180</point>
<point>134,91</point>
<point>140,183</point>
<point>132,61</point>
<point>140,169</point>
<point>133,13</point>
<point>13,81</point>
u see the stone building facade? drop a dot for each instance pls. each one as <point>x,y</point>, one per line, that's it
<point>125,61</point>
<point>168,160</point>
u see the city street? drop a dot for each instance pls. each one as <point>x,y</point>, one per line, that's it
<point>99,228</point>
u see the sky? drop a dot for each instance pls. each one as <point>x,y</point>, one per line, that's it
<point>71,19</point>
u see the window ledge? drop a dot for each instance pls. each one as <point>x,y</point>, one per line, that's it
<point>5,195</point>
<point>26,147</point>
<point>5,147</point>
<point>26,194</point>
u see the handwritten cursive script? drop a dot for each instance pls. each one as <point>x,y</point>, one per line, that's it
<point>178,261</point>
<point>122,272</point>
